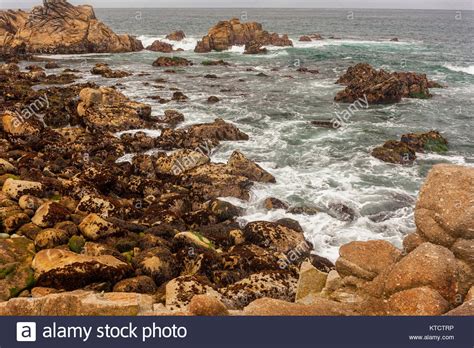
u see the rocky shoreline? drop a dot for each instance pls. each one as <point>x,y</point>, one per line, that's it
<point>86,233</point>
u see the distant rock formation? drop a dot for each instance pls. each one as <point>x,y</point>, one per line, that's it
<point>228,33</point>
<point>58,27</point>
<point>176,35</point>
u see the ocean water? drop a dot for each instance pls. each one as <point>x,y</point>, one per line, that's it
<point>315,166</point>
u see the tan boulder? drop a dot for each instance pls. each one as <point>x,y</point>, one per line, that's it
<point>30,202</point>
<point>180,161</point>
<point>79,303</point>
<point>62,269</point>
<point>94,227</point>
<point>50,238</point>
<point>464,310</point>
<point>444,210</point>
<point>17,188</point>
<point>311,280</point>
<point>241,165</point>
<point>207,305</point>
<point>417,301</point>
<point>107,109</point>
<point>428,265</point>
<point>95,204</point>
<point>275,307</point>
<point>18,126</point>
<point>181,290</point>
<point>50,213</point>
<point>14,221</point>
<point>140,284</point>
<point>6,167</point>
<point>366,259</point>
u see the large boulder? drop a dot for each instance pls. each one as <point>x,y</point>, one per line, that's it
<point>428,265</point>
<point>64,269</point>
<point>417,301</point>
<point>58,27</point>
<point>160,46</point>
<point>176,35</point>
<point>229,33</point>
<point>366,260</point>
<point>17,188</point>
<point>106,109</point>
<point>49,214</point>
<point>16,275</point>
<point>445,210</point>
<point>241,165</point>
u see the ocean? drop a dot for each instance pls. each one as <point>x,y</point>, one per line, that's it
<point>314,166</point>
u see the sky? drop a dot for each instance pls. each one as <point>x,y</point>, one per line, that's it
<point>395,4</point>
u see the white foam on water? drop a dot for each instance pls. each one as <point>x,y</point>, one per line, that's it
<point>335,42</point>
<point>455,159</point>
<point>187,44</point>
<point>465,69</point>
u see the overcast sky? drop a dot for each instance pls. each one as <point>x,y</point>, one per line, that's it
<point>399,4</point>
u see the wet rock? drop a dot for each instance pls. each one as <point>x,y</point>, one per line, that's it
<point>366,259</point>
<point>395,39</point>
<point>213,99</point>
<point>50,238</point>
<point>428,265</point>
<point>63,269</point>
<point>306,210</point>
<point>326,124</point>
<point>254,47</point>
<point>140,284</point>
<point>241,165</point>
<point>273,284</point>
<point>171,61</point>
<point>160,46</point>
<point>431,141</point>
<point>17,188</point>
<point>176,35</point>
<point>173,117</point>
<point>224,210</point>
<point>342,212</point>
<point>444,210</point>
<point>229,33</point>
<point>75,30</point>
<point>394,152</point>
<point>206,305</point>
<point>215,63</point>
<point>271,203</point>
<point>304,38</point>
<point>194,239</point>
<point>179,96</point>
<point>94,227</point>
<point>217,130</point>
<point>16,255</point>
<point>364,83</point>
<point>416,302</point>
<point>105,71</point>
<point>158,263</point>
<point>291,224</point>
<point>51,65</point>
<point>50,213</point>
<point>277,237</point>
<point>181,290</point>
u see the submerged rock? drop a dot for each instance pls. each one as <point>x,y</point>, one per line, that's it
<point>171,61</point>
<point>105,71</point>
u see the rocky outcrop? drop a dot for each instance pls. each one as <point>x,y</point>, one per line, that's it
<point>160,46</point>
<point>58,27</point>
<point>176,35</point>
<point>105,71</point>
<point>171,61</point>
<point>107,109</point>
<point>229,33</point>
<point>379,87</point>
<point>404,151</point>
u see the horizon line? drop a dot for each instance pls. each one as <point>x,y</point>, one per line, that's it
<point>263,8</point>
